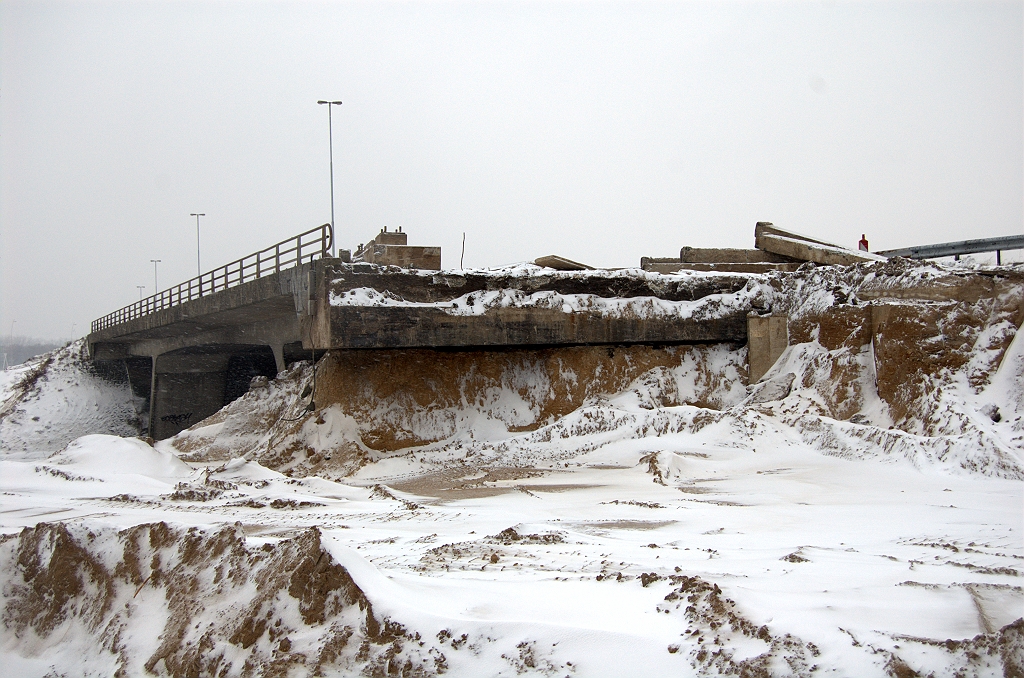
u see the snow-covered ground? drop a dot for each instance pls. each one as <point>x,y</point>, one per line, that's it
<point>54,398</point>
<point>636,535</point>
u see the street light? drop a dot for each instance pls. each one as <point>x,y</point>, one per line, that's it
<point>156,287</point>
<point>199,265</point>
<point>330,137</point>
<point>141,287</point>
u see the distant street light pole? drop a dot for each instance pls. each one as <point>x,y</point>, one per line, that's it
<point>141,287</point>
<point>330,138</point>
<point>156,287</point>
<point>199,264</point>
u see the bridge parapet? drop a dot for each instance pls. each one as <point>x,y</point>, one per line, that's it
<point>286,254</point>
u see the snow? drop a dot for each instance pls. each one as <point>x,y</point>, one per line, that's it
<point>53,399</point>
<point>863,542</point>
<point>111,455</point>
<point>479,303</point>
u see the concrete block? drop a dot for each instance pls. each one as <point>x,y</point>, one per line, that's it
<point>767,338</point>
<point>185,398</point>
<point>404,256</point>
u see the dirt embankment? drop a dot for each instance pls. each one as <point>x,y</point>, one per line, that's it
<point>383,401</point>
<point>912,332</point>
<point>404,401</point>
<point>178,602</point>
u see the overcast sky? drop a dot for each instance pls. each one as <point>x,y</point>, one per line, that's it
<point>598,131</point>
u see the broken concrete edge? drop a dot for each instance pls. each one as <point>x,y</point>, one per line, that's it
<point>561,263</point>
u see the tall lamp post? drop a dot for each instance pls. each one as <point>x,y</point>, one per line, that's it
<point>199,265</point>
<point>141,287</point>
<point>155,286</point>
<point>330,137</point>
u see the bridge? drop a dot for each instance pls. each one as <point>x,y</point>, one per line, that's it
<point>192,348</point>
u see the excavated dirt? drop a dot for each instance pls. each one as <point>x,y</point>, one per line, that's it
<point>884,359</point>
<point>371,402</point>
<point>225,608</point>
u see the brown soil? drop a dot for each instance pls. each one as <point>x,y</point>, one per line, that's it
<point>405,399</point>
<point>58,579</point>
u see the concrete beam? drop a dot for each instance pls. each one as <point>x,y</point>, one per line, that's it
<point>803,248</point>
<point>561,263</point>
<point>818,254</point>
<point>676,267</point>
<point>362,327</point>
<point>272,332</point>
<point>728,255</point>
<point>762,228</point>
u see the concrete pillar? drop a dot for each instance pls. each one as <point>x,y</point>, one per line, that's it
<point>152,396</point>
<point>186,389</point>
<point>767,338</point>
<point>278,349</point>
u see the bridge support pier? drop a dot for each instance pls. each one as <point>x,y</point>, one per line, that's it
<point>186,389</point>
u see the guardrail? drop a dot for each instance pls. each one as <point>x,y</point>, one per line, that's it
<point>285,254</point>
<point>955,249</point>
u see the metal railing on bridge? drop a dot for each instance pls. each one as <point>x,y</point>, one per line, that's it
<point>285,254</point>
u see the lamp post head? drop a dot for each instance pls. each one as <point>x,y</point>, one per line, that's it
<point>200,214</point>
<point>332,103</point>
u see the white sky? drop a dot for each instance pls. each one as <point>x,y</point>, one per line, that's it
<point>599,131</point>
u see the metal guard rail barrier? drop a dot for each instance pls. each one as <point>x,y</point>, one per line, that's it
<point>285,254</point>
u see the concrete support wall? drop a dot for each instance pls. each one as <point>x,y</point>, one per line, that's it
<point>186,390</point>
<point>767,338</point>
